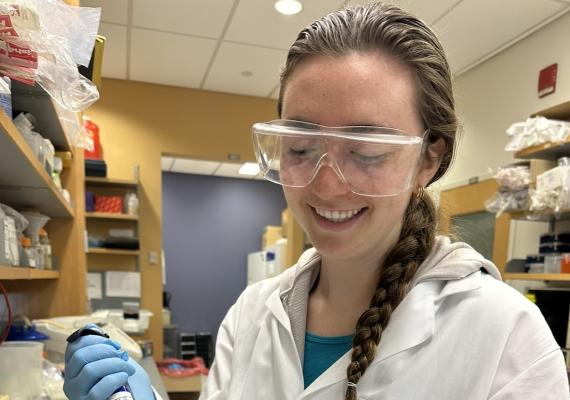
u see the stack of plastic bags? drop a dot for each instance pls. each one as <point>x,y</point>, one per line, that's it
<point>513,191</point>
<point>536,130</point>
<point>43,42</point>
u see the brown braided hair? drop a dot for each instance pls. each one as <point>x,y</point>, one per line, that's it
<point>388,29</point>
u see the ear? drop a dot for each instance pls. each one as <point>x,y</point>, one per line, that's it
<point>430,162</point>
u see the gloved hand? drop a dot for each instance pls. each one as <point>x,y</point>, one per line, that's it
<point>95,367</point>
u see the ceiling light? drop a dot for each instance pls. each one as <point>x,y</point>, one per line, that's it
<point>251,169</point>
<point>288,7</point>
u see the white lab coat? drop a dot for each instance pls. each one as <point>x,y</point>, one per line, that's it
<point>460,333</point>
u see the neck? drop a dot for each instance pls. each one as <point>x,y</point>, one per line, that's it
<point>349,282</point>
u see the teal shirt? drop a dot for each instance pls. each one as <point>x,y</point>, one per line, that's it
<point>321,352</point>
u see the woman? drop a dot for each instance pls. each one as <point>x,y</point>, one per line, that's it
<point>381,308</point>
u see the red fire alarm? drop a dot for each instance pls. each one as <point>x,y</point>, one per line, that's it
<point>547,80</point>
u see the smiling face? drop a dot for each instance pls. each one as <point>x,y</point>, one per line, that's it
<point>355,89</point>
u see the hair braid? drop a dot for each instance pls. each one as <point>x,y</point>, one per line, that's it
<point>415,243</point>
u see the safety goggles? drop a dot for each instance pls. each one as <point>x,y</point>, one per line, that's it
<point>369,160</point>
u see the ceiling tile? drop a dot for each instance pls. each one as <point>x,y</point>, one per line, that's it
<point>230,170</point>
<point>166,163</point>
<point>115,52</point>
<point>503,20</point>
<point>192,17</point>
<point>114,11</point>
<point>200,167</point>
<point>257,22</point>
<point>169,59</point>
<point>234,59</point>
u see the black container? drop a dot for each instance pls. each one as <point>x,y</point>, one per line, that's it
<point>547,248</point>
<point>563,237</point>
<point>547,238</point>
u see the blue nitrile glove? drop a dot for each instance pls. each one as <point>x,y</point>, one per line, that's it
<point>139,382</point>
<point>95,367</point>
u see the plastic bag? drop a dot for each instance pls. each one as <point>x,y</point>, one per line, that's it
<point>52,387</point>
<point>36,47</point>
<point>507,200</point>
<point>512,195</point>
<point>513,178</point>
<point>177,368</point>
<point>536,130</point>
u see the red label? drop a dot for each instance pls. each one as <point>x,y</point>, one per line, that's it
<point>547,80</point>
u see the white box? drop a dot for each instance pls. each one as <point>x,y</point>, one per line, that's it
<point>553,179</point>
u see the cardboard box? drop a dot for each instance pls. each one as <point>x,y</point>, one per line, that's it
<point>270,236</point>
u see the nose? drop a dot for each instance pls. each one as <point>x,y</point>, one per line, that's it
<point>328,182</point>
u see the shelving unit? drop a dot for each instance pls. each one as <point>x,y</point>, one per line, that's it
<point>541,217</point>
<point>110,216</point>
<point>112,183</point>
<point>113,252</point>
<point>50,116</point>
<point>25,185</point>
<point>537,277</point>
<point>551,152</point>
<point>19,273</point>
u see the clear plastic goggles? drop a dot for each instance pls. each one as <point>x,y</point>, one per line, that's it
<point>369,160</point>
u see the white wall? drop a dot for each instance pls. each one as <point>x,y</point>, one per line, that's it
<point>497,93</point>
<point>503,90</point>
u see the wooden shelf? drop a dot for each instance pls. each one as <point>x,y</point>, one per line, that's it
<point>25,183</point>
<point>116,183</point>
<point>541,217</point>
<point>559,111</point>
<point>49,115</point>
<point>111,216</point>
<point>549,151</point>
<point>25,273</point>
<point>545,151</point>
<point>536,277</point>
<point>115,252</point>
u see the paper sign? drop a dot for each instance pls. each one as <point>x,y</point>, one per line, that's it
<point>94,286</point>
<point>122,284</point>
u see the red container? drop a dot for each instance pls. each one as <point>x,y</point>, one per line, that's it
<point>109,204</point>
<point>92,130</point>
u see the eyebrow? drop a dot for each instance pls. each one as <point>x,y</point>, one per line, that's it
<point>382,124</point>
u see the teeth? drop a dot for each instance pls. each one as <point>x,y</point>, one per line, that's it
<point>337,216</point>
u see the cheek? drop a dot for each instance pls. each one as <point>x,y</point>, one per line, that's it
<point>392,208</point>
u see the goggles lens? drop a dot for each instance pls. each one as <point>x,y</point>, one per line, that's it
<point>370,160</point>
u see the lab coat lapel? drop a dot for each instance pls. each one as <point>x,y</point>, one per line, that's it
<point>410,325</point>
<point>275,306</point>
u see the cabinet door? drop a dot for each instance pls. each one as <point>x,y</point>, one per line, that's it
<point>463,217</point>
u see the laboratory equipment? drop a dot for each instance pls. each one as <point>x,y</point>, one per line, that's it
<point>123,392</point>
<point>9,253</point>
<point>21,362</point>
<point>59,328</point>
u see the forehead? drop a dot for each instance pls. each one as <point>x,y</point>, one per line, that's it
<point>358,88</point>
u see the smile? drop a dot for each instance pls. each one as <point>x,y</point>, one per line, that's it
<point>338,216</point>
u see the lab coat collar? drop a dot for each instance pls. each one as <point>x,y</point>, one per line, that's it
<point>450,268</point>
<point>411,324</point>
